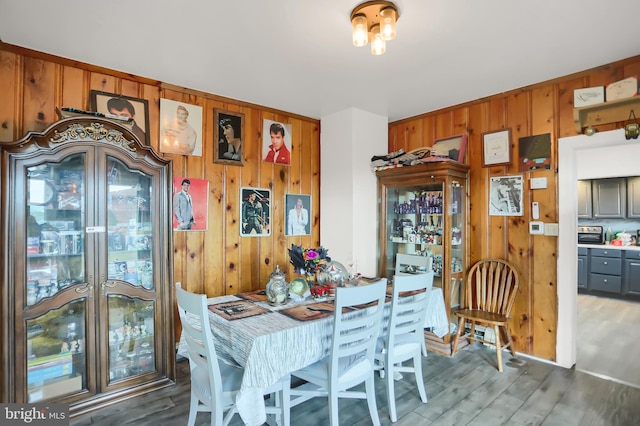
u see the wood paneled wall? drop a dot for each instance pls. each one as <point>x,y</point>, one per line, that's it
<point>217,261</point>
<point>542,108</point>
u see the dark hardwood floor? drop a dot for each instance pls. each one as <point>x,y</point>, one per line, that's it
<point>465,390</point>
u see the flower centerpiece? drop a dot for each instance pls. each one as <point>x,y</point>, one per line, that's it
<point>308,261</point>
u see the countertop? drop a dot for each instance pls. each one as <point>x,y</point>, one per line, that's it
<point>609,246</point>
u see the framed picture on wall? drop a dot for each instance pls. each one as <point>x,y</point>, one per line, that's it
<point>535,152</point>
<point>505,196</point>
<point>255,217</point>
<point>496,148</point>
<point>180,128</point>
<point>276,142</point>
<point>124,106</point>
<point>298,214</point>
<point>190,204</point>
<point>228,136</point>
<point>453,147</point>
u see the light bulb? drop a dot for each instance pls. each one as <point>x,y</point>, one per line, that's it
<point>360,30</point>
<point>378,44</point>
<point>388,23</point>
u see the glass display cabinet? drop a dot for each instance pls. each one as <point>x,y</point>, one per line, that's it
<point>86,284</point>
<point>423,211</point>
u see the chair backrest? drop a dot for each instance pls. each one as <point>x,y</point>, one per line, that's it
<point>407,264</point>
<point>408,311</point>
<point>491,286</point>
<point>355,333</point>
<point>199,338</point>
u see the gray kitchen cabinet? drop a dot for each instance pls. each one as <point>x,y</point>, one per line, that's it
<point>585,210</point>
<point>609,198</point>
<point>633,198</point>
<point>631,283</point>
<point>583,267</point>
<point>605,266</point>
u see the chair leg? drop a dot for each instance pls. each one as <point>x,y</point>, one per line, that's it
<point>333,408</point>
<point>391,394</point>
<point>193,410</point>
<point>457,336</point>
<point>286,401</point>
<point>496,330</point>
<point>417,371</point>
<point>472,333</point>
<point>508,339</point>
<point>370,389</point>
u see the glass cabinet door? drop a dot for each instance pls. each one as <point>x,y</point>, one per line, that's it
<point>458,239</point>
<point>129,288</point>
<point>56,283</point>
<point>415,224</point>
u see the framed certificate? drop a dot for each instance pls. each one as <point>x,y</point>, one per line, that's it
<point>496,148</point>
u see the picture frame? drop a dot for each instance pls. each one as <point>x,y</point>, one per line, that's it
<point>180,128</point>
<point>297,220</point>
<point>282,135</point>
<point>255,213</point>
<point>496,148</point>
<point>534,152</point>
<point>453,147</point>
<point>198,204</point>
<point>505,196</point>
<point>228,137</point>
<point>127,107</point>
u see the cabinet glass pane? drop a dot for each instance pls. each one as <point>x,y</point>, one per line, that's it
<point>129,225</point>
<point>415,224</point>
<point>56,361</point>
<point>457,241</point>
<point>55,224</point>
<point>131,337</point>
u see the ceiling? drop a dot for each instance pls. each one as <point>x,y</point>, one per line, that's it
<point>297,55</point>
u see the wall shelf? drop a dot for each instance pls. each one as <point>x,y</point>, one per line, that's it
<point>605,113</point>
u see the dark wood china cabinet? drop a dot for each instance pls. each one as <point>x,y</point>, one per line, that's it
<point>86,296</point>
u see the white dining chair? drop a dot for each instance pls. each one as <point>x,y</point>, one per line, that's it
<point>214,384</point>
<point>351,360</point>
<point>404,335</point>
<point>409,264</point>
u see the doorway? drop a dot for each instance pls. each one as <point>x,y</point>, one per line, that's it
<point>603,155</point>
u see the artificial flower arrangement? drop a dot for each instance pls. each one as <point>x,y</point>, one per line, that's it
<point>308,260</point>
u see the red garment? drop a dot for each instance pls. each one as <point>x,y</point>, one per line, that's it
<point>284,156</point>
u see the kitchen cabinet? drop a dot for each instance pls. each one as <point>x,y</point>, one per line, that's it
<point>609,198</point>
<point>423,211</point>
<point>633,197</point>
<point>605,266</point>
<point>585,210</point>
<point>583,267</point>
<point>631,283</point>
<point>87,295</point>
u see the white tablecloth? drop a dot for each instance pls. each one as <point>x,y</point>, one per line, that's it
<point>272,345</point>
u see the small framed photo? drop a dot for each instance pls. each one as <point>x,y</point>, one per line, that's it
<point>190,204</point>
<point>496,148</point>
<point>276,142</point>
<point>180,128</point>
<point>298,214</point>
<point>505,196</point>
<point>453,147</point>
<point>534,152</point>
<point>255,217</point>
<point>228,135</point>
<point>127,107</point>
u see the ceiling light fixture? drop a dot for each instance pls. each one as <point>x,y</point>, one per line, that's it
<point>375,22</point>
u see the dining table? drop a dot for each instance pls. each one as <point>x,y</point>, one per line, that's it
<point>271,342</point>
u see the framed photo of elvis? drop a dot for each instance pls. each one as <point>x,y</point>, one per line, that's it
<point>297,214</point>
<point>180,128</point>
<point>255,214</point>
<point>276,142</point>
<point>190,204</point>
<point>228,137</point>
<point>127,107</point>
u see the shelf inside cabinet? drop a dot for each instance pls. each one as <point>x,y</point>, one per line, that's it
<point>606,112</point>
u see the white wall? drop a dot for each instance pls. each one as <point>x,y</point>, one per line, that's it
<point>603,155</point>
<point>348,187</point>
